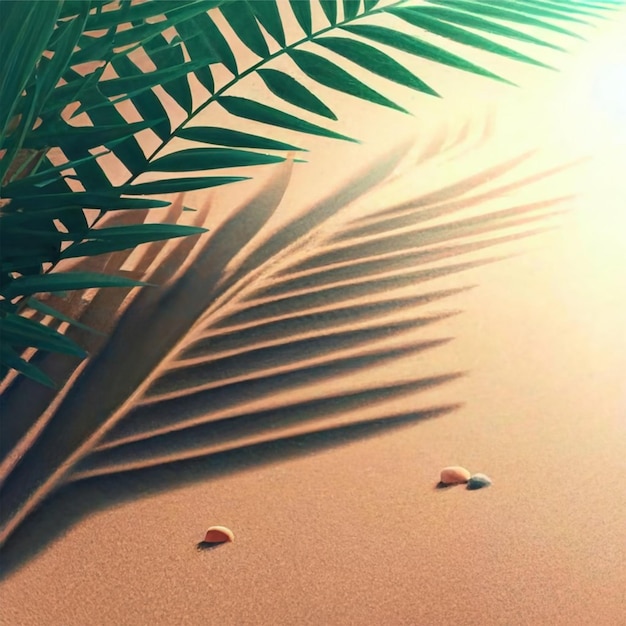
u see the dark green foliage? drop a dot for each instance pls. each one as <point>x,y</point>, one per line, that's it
<point>50,100</point>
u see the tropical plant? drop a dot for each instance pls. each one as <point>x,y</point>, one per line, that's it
<point>238,311</point>
<point>70,67</point>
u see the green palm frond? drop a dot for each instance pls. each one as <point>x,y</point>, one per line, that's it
<point>192,370</point>
<point>74,71</point>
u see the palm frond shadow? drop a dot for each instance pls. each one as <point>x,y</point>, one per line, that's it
<point>99,314</point>
<point>203,372</point>
<point>78,499</point>
<point>196,440</point>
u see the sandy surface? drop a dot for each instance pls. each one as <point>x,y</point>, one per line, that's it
<point>357,533</point>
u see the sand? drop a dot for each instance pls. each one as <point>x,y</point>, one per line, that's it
<point>356,533</point>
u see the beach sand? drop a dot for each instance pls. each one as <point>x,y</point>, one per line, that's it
<point>355,533</point>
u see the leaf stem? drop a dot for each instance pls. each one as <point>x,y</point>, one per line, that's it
<point>250,70</point>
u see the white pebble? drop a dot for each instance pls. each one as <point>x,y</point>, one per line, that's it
<point>454,475</point>
<point>478,481</point>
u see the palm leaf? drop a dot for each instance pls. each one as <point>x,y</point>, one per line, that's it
<point>207,49</point>
<point>330,10</point>
<point>138,49</point>
<point>331,75</point>
<point>351,8</point>
<point>268,15</point>
<point>290,90</point>
<point>22,20</point>
<point>375,61</point>
<point>302,12</point>
<point>96,313</point>
<point>193,371</point>
<point>242,20</point>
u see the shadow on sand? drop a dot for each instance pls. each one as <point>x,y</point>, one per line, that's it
<point>77,500</point>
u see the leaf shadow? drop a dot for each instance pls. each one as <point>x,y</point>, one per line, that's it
<point>185,439</point>
<point>77,500</point>
<point>200,376</point>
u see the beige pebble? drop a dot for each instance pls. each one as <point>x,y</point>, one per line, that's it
<point>454,475</point>
<point>219,534</point>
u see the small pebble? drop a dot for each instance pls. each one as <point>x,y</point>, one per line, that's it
<point>454,475</point>
<point>478,481</point>
<point>219,534</point>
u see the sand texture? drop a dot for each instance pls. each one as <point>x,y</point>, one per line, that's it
<point>450,293</point>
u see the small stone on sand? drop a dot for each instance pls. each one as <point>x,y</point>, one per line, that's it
<point>454,475</point>
<point>219,534</point>
<point>478,481</point>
